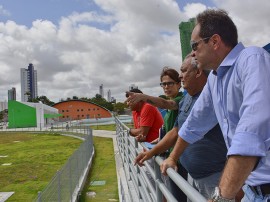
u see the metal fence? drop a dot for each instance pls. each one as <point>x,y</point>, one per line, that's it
<point>140,187</point>
<point>69,181</point>
<point>67,126</point>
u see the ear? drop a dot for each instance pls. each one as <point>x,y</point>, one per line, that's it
<point>198,72</point>
<point>215,40</point>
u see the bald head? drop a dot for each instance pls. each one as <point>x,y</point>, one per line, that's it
<point>193,78</point>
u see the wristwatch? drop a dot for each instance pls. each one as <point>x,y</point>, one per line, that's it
<point>218,198</point>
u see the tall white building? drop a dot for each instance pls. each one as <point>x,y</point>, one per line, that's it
<point>28,83</point>
<point>101,90</point>
<point>109,96</point>
<point>12,94</point>
<point>3,105</point>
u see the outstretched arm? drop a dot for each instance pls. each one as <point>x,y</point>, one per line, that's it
<point>155,101</point>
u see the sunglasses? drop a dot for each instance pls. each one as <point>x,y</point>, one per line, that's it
<point>194,44</point>
<point>163,84</point>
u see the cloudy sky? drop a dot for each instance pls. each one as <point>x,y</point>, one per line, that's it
<point>76,45</point>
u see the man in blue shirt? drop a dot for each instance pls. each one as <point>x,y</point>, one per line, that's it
<point>237,97</point>
<point>204,160</point>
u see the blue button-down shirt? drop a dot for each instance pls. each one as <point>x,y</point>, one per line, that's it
<point>237,96</point>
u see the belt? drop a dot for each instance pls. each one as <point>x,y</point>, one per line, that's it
<point>265,189</point>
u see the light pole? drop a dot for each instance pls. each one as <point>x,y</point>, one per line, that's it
<point>40,119</point>
<point>40,116</point>
<point>13,118</point>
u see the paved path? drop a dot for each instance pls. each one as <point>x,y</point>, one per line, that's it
<point>5,195</point>
<point>104,133</point>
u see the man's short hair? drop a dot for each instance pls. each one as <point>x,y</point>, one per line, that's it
<point>217,21</point>
<point>135,90</point>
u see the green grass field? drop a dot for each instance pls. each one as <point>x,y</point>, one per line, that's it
<point>34,159</point>
<point>103,169</point>
<point>110,127</point>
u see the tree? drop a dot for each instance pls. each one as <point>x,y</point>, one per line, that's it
<point>119,107</point>
<point>102,102</point>
<point>1,115</point>
<point>45,100</point>
<point>85,99</point>
<point>42,99</point>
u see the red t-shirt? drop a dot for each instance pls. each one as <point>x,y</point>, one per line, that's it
<point>151,117</point>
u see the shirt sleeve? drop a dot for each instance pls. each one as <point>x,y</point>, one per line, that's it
<point>201,119</point>
<point>252,134</point>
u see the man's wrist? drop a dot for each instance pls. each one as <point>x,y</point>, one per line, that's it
<point>152,152</point>
<point>217,197</point>
<point>172,158</point>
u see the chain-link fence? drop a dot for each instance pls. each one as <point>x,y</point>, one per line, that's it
<point>70,179</point>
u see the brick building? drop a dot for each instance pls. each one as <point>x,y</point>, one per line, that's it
<point>78,109</point>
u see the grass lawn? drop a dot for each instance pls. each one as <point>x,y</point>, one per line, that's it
<point>35,159</point>
<point>110,127</point>
<point>103,169</point>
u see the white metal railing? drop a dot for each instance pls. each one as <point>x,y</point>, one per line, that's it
<point>138,178</point>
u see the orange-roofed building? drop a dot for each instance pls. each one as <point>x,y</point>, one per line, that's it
<point>78,109</point>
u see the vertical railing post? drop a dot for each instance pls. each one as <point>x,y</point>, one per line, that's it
<point>59,185</point>
<point>158,178</point>
<point>70,179</point>
<point>137,170</point>
<point>39,196</point>
<point>127,152</point>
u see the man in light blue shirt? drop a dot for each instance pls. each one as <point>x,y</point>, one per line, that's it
<point>236,96</point>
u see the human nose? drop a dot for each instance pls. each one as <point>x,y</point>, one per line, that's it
<point>180,76</point>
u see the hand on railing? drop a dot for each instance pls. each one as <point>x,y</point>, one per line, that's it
<point>168,163</point>
<point>140,138</point>
<point>143,156</point>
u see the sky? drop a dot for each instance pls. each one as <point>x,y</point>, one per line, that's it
<point>77,45</point>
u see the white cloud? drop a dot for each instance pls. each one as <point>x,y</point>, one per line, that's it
<point>192,9</point>
<point>129,42</point>
<point>251,18</point>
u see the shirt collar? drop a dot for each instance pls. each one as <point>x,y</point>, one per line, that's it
<point>229,60</point>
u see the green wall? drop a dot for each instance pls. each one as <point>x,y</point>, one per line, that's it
<point>21,115</point>
<point>186,29</point>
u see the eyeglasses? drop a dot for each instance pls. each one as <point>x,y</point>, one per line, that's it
<point>169,84</point>
<point>194,44</point>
